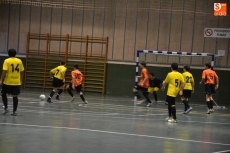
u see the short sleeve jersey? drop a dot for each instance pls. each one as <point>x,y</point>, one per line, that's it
<point>188,78</point>
<point>209,76</point>
<point>13,67</point>
<point>58,70</point>
<point>144,74</point>
<point>78,76</point>
<point>174,80</point>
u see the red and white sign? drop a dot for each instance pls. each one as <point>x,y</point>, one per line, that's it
<point>220,9</point>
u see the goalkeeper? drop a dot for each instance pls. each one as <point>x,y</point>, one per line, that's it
<point>154,86</point>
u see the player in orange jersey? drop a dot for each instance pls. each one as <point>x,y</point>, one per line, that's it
<point>211,81</point>
<point>76,83</point>
<point>143,83</point>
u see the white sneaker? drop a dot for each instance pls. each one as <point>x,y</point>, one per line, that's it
<point>149,104</point>
<point>86,102</point>
<point>168,118</point>
<point>72,99</point>
<point>139,101</point>
<point>212,110</point>
<point>5,111</point>
<point>172,120</point>
<point>209,111</point>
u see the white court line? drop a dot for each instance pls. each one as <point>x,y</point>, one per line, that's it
<point>59,102</point>
<point>118,133</point>
<point>225,151</point>
<point>93,113</point>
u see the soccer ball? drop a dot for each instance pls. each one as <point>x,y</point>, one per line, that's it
<point>42,97</point>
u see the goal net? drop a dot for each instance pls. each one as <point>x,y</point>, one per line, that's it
<point>159,63</point>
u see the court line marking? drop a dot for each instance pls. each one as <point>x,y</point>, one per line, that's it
<point>117,106</point>
<point>104,103</point>
<point>15,133</point>
<point>103,98</point>
<point>136,106</point>
<point>87,113</point>
<point>98,105</point>
<point>140,109</point>
<point>135,115</point>
<point>96,114</point>
<point>222,151</point>
<point>118,133</point>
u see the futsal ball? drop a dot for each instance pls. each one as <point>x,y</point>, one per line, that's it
<point>42,97</point>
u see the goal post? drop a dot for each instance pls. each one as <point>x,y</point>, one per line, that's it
<point>159,61</point>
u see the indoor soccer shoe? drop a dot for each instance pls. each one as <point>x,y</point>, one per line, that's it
<point>140,101</point>
<point>149,104</point>
<point>172,120</point>
<point>57,97</point>
<point>168,118</point>
<point>188,110</point>
<point>49,100</point>
<point>72,99</point>
<point>14,113</point>
<point>5,111</point>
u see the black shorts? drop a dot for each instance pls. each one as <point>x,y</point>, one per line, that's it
<point>9,89</point>
<point>57,82</point>
<point>141,88</point>
<point>187,93</point>
<point>209,89</point>
<point>170,100</point>
<point>77,88</point>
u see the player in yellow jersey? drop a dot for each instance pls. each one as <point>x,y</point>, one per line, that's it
<point>188,88</point>
<point>175,83</point>
<point>11,80</point>
<point>58,76</point>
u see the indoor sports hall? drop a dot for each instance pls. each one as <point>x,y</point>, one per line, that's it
<point>107,40</point>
